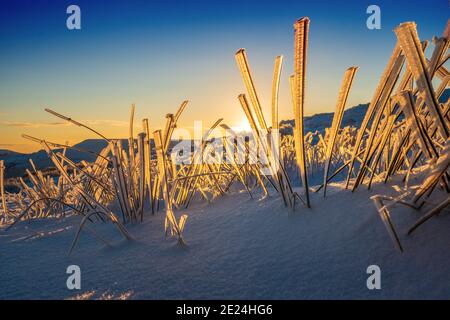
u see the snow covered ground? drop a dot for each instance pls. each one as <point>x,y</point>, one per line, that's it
<point>238,248</point>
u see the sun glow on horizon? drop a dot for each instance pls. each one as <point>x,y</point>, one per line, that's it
<point>243,126</point>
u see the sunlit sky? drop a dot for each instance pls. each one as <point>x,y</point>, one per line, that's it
<point>157,54</point>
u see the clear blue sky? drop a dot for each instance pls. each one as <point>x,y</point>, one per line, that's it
<point>158,53</point>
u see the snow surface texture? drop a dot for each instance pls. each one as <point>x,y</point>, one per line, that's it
<point>238,248</point>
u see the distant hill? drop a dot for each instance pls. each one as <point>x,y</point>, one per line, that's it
<point>445,96</point>
<point>352,117</point>
<point>318,122</point>
<point>16,163</point>
<point>8,153</point>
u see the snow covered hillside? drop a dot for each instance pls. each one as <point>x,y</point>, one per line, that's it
<point>237,248</point>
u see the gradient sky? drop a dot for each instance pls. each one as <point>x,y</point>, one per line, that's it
<point>157,54</point>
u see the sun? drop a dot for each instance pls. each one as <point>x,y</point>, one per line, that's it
<point>243,126</point>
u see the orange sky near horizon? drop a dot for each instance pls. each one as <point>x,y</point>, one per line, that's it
<point>120,57</point>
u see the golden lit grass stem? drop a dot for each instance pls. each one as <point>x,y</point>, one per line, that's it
<point>337,119</point>
<point>301,28</point>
